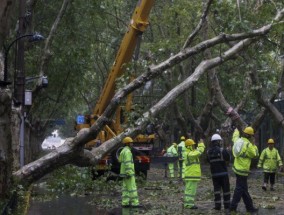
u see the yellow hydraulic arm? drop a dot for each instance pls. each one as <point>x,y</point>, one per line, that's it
<point>137,26</point>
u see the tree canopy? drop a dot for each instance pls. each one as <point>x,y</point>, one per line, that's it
<point>202,65</point>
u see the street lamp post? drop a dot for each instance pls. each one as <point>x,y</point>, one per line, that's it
<point>44,80</point>
<point>34,37</point>
<point>20,80</point>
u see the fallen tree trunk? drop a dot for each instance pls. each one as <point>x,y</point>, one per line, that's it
<point>69,151</point>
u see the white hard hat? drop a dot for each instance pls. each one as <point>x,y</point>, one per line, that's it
<point>216,137</point>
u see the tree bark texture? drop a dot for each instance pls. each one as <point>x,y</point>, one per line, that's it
<point>6,158</point>
<point>7,7</point>
<point>15,127</point>
<point>72,147</point>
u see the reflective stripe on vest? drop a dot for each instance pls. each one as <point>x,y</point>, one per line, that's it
<point>241,171</point>
<point>192,177</point>
<point>189,163</point>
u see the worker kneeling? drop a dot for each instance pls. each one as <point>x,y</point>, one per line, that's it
<point>192,171</point>
<point>127,172</point>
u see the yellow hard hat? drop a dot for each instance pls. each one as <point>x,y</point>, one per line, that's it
<point>175,145</point>
<point>127,140</point>
<point>270,141</point>
<point>189,142</point>
<point>249,130</point>
<point>182,138</point>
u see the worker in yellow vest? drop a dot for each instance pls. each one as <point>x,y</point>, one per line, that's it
<point>243,154</point>
<point>181,154</point>
<point>172,152</point>
<point>270,160</point>
<point>127,172</point>
<point>192,171</point>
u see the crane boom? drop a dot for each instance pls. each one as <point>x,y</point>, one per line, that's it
<point>143,143</point>
<point>137,26</point>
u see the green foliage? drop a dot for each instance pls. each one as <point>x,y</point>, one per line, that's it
<point>16,202</point>
<point>72,180</point>
<point>92,32</point>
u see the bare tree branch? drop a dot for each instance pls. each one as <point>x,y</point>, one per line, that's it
<point>278,117</point>
<point>199,26</point>
<point>180,120</point>
<point>47,53</point>
<point>71,147</point>
<point>35,170</point>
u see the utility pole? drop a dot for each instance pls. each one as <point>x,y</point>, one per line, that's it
<point>20,82</point>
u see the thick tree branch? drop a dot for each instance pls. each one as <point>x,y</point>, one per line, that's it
<point>71,147</point>
<point>169,97</point>
<point>265,102</point>
<point>59,157</point>
<point>206,113</point>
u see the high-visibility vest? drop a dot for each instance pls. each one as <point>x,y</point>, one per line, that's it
<point>172,151</point>
<point>126,160</point>
<point>242,162</point>
<point>192,163</point>
<point>269,160</point>
<point>182,149</point>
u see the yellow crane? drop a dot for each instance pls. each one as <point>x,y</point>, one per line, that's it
<point>143,143</point>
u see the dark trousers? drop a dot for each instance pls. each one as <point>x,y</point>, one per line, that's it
<point>222,183</point>
<point>271,176</point>
<point>241,191</point>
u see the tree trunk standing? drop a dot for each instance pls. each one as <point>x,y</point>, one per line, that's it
<point>15,128</point>
<point>33,142</point>
<point>175,120</point>
<point>281,82</point>
<point>6,158</point>
<point>6,9</point>
<point>36,141</point>
<point>189,96</point>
